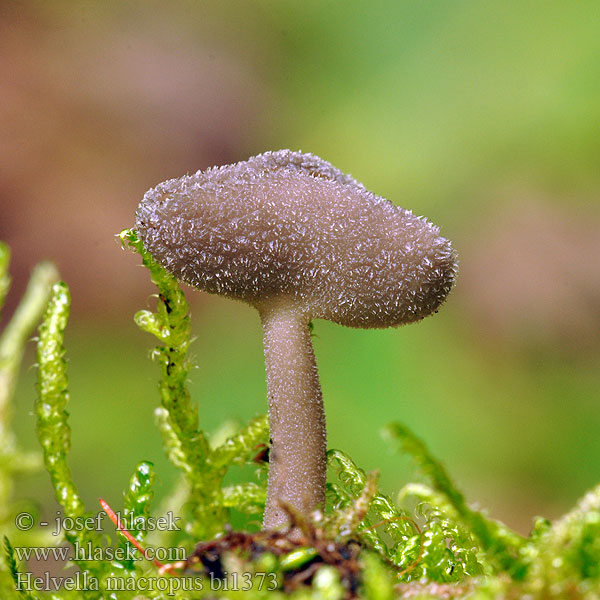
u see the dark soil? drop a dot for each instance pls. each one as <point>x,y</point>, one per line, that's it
<point>210,557</point>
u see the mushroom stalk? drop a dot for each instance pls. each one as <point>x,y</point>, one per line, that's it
<point>297,462</point>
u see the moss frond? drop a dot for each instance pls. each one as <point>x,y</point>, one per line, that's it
<point>382,510</point>
<point>500,543</point>
<point>53,428</point>
<point>186,444</point>
<point>11,563</point>
<point>136,508</point>
<point>239,448</point>
<point>246,497</point>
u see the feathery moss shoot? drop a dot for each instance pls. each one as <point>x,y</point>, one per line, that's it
<point>53,428</point>
<point>177,418</point>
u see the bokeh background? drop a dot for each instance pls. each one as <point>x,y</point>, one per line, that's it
<point>483,116</point>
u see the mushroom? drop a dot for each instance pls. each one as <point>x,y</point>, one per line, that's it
<point>291,235</point>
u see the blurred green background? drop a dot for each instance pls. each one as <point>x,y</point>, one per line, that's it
<point>483,116</point>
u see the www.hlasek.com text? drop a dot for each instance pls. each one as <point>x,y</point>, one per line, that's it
<point>89,552</point>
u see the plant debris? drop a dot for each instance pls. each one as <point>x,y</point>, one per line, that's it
<point>300,556</point>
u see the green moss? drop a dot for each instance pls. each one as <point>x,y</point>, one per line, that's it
<point>441,547</point>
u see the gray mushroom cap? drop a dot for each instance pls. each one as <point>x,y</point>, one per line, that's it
<point>287,227</point>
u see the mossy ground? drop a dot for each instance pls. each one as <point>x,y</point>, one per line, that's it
<point>430,544</point>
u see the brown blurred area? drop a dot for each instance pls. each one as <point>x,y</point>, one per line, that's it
<point>102,101</point>
<point>93,112</point>
<point>532,278</point>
